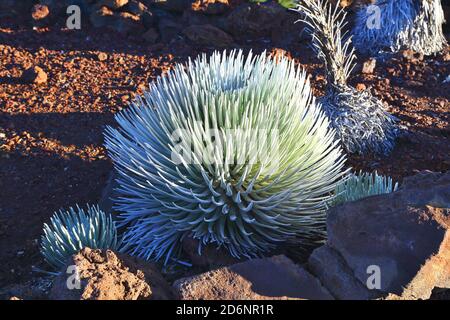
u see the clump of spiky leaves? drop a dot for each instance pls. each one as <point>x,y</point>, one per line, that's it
<point>362,185</point>
<point>402,24</point>
<point>360,120</point>
<point>75,229</point>
<point>233,201</point>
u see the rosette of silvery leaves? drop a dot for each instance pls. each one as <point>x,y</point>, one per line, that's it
<point>249,196</point>
<point>71,230</point>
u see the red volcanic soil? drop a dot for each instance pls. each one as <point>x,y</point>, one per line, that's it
<point>51,153</point>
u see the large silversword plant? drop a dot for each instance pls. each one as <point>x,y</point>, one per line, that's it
<point>263,177</point>
<point>400,24</point>
<point>360,120</point>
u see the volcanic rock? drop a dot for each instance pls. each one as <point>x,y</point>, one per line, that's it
<point>136,7</point>
<point>208,35</point>
<point>174,5</point>
<point>105,275</point>
<point>265,20</point>
<point>101,17</point>
<point>113,4</point>
<point>211,7</point>
<point>127,23</point>
<point>35,75</point>
<point>151,36</point>
<point>404,235</point>
<point>255,20</point>
<point>169,29</point>
<point>40,12</point>
<point>259,279</point>
<point>333,272</point>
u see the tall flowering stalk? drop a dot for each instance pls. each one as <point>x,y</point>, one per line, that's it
<point>360,121</point>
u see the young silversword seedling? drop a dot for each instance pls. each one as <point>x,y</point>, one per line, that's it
<point>359,119</point>
<point>359,186</point>
<point>75,229</point>
<point>400,24</point>
<point>232,189</point>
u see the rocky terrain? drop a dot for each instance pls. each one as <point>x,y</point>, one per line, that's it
<point>60,87</point>
<point>406,235</point>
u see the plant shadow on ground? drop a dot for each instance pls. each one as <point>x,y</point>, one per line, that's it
<point>33,187</point>
<point>73,128</point>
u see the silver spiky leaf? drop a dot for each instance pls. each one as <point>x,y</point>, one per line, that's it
<point>360,121</point>
<point>75,229</point>
<point>246,206</point>
<point>403,24</point>
<point>362,185</point>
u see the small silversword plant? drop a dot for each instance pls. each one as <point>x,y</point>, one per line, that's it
<point>75,229</point>
<point>362,185</point>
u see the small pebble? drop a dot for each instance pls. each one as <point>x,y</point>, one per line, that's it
<point>361,87</point>
<point>369,66</point>
<point>102,56</point>
<point>35,75</point>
